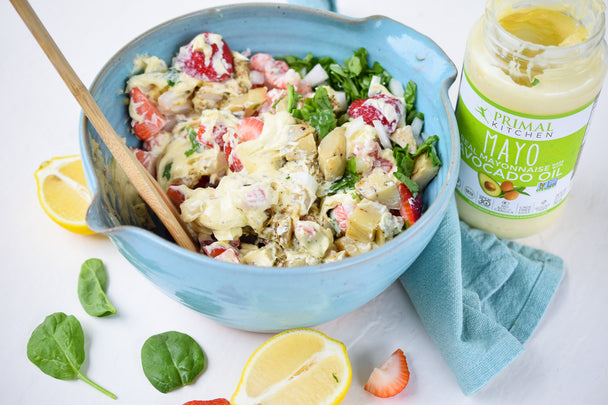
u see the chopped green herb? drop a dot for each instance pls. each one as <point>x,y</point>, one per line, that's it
<point>535,81</point>
<point>172,75</point>
<point>318,112</point>
<point>167,171</point>
<point>349,179</point>
<point>195,145</point>
<point>335,377</point>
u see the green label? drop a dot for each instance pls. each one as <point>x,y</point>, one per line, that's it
<point>516,165</point>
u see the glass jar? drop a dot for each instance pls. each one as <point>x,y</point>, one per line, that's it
<point>532,73</point>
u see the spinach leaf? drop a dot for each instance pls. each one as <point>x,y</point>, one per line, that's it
<point>405,161</point>
<point>353,76</point>
<point>171,360</point>
<point>57,348</point>
<point>317,111</point>
<point>428,147</point>
<point>405,167</point>
<point>349,179</point>
<point>410,95</point>
<point>92,283</point>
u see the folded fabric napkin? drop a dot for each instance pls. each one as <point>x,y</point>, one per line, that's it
<point>479,297</point>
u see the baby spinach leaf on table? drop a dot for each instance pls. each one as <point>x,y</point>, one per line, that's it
<point>171,360</point>
<point>92,283</point>
<point>57,348</point>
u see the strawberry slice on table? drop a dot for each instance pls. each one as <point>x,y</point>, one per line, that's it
<point>410,207</point>
<point>148,121</point>
<point>390,378</point>
<point>218,401</point>
<point>383,108</point>
<point>207,57</point>
<point>249,128</point>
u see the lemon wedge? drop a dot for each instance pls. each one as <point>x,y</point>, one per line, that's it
<point>63,192</point>
<point>296,367</point>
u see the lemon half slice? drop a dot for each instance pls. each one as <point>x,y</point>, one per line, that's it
<point>296,367</point>
<point>63,193</point>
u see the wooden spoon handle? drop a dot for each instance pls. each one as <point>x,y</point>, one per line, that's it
<point>141,179</point>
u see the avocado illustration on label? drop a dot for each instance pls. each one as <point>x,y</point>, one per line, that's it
<point>489,185</point>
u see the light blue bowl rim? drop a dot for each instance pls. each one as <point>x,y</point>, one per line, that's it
<point>424,224</point>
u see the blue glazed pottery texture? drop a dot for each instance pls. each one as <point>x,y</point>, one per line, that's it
<point>247,297</point>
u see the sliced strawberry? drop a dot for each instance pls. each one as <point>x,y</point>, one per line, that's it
<point>212,64</point>
<point>391,378</point>
<point>217,135</point>
<point>249,128</point>
<point>221,251</point>
<point>200,137</point>
<point>176,195</point>
<point>145,158</point>
<point>411,207</point>
<point>383,108</point>
<point>234,163</point>
<point>149,121</point>
<point>218,401</point>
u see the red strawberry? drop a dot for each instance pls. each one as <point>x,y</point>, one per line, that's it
<point>249,128</point>
<point>234,163</point>
<point>222,252</point>
<point>218,135</point>
<point>216,66</point>
<point>219,401</point>
<point>391,378</point>
<point>411,207</point>
<point>385,109</point>
<point>150,121</point>
<point>145,158</point>
<point>176,195</point>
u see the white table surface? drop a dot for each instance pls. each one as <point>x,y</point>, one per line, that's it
<point>565,362</point>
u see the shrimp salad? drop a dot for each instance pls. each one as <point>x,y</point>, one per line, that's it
<point>281,161</point>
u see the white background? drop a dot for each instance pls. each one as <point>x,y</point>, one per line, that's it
<point>565,361</point>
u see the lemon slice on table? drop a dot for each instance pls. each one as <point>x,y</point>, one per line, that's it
<point>63,193</point>
<point>296,367</point>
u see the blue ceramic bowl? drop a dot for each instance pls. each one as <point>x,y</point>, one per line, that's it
<point>242,296</point>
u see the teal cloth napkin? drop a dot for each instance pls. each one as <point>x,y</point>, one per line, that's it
<point>480,297</point>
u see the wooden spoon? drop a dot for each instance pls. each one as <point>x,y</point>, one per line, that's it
<point>144,183</point>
